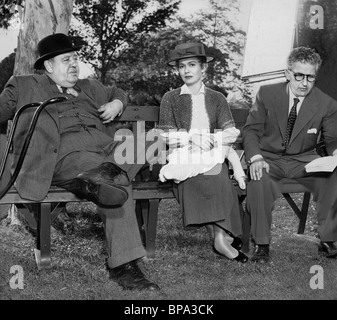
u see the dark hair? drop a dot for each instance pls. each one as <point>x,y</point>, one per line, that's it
<point>202,60</point>
<point>304,55</point>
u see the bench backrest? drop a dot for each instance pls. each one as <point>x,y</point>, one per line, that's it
<point>240,117</point>
<point>151,114</point>
<point>132,115</point>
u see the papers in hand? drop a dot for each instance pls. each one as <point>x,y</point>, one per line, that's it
<point>327,164</point>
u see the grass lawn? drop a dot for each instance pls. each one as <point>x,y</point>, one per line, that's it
<point>185,266</point>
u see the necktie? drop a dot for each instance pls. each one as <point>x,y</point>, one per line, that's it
<point>291,121</point>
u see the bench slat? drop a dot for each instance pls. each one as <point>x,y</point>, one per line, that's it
<point>141,190</point>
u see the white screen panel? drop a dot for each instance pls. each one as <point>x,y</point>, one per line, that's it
<point>270,37</point>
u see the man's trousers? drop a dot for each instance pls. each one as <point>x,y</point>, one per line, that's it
<point>262,194</point>
<point>120,223</point>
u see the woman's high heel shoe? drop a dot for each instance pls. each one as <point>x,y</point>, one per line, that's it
<point>237,242</point>
<point>240,258</point>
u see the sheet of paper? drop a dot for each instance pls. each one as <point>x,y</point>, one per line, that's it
<point>327,164</point>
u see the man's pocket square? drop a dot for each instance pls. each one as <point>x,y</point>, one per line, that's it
<point>312,130</point>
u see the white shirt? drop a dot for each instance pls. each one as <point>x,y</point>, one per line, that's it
<point>291,100</point>
<point>200,118</point>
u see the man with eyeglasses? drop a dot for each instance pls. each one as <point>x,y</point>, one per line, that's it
<point>280,138</point>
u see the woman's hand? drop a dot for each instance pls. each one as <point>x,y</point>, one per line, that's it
<point>110,110</point>
<point>241,181</point>
<point>204,142</point>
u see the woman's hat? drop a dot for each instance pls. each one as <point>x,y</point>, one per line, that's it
<point>52,46</point>
<point>187,50</point>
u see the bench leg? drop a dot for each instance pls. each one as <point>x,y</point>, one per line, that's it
<point>28,212</point>
<point>301,214</point>
<point>42,253</point>
<point>304,212</point>
<point>55,210</point>
<point>150,220</point>
<point>140,220</point>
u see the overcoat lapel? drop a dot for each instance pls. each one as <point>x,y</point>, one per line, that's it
<point>85,86</point>
<point>45,90</point>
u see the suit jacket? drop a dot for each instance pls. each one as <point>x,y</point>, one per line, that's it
<point>37,171</point>
<point>176,110</point>
<point>265,128</point>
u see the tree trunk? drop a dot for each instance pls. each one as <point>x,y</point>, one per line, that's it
<point>40,19</point>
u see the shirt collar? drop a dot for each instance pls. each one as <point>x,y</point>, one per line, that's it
<point>52,82</point>
<point>292,96</point>
<point>186,90</point>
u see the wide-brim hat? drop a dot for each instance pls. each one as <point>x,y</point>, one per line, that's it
<point>188,50</point>
<point>52,46</point>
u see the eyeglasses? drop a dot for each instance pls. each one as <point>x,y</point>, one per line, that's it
<point>301,76</point>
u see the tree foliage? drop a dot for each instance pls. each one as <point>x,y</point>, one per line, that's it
<point>7,12</point>
<point>143,66</point>
<point>147,72</point>
<point>219,29</point>
<point>127,42</point>
<point>6,67</point>
<point>108,27</point>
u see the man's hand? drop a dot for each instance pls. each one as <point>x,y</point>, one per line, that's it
<point>110,110</point>
<point>204,142</point>
<point>257,167</point>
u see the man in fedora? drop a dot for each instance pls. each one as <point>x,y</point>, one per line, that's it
<point>70,148</point>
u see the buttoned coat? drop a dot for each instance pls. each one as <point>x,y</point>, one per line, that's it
<point>265,128</point>
<point>37,171</point>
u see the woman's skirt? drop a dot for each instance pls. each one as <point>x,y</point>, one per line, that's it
<point>209,198</point>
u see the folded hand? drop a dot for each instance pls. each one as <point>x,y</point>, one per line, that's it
<point>110,110</point>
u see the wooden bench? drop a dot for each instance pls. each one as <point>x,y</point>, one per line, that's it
<point>147,195</point>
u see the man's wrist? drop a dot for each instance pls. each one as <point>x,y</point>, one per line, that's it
<point>121,106</point>
<point>254,159</point>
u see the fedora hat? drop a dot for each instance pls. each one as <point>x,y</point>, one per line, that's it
<point>52,46</point>
<point>187,50</point>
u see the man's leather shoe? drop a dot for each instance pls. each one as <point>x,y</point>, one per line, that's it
<point>101,185</point>
<point>261,253</point>
<point>130,277</point>
<point>327,249</point>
